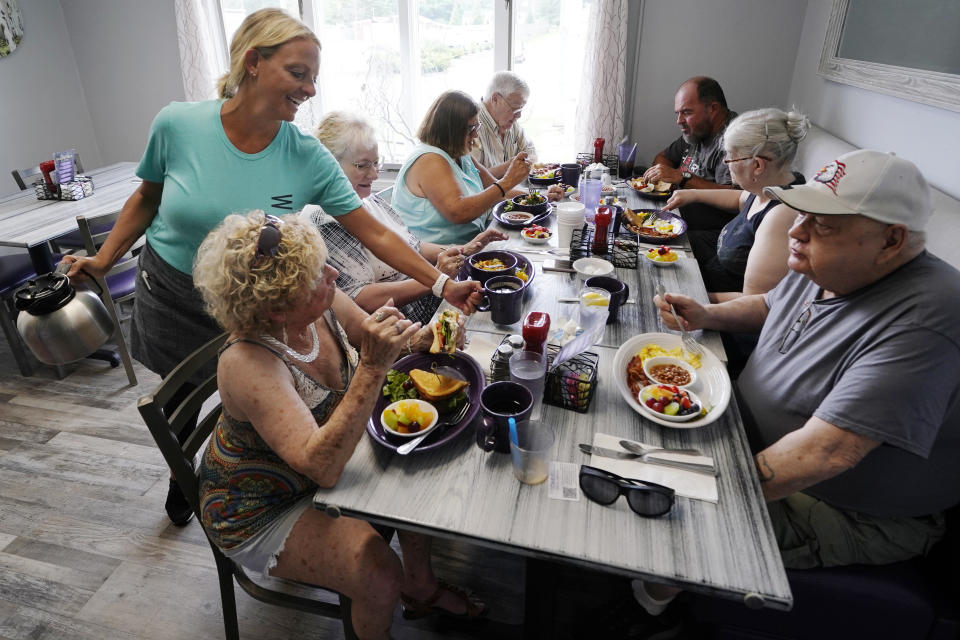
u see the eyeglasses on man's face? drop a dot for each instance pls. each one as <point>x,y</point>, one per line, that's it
<point>513,108</point>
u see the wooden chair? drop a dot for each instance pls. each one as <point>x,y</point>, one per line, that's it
<point>180,459</point>
<point>26,177</point>
<point>118,286</point>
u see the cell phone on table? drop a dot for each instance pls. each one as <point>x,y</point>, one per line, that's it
<point>550,263</point>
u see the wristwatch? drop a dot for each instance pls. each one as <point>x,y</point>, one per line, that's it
<point>686,176</point>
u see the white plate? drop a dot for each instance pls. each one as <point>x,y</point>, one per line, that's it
<point>712,384</point>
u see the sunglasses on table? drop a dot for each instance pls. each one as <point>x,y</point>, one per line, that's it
<point>269,241</point>
<point>646,499</point>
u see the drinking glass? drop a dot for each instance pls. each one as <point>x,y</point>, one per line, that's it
<point>594,308</point>
<point>529,369</point>
<point>530,454</point>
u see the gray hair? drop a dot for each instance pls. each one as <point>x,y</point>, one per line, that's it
<point>772,133</point>
<point>505,83</point>
<point>342,132</point>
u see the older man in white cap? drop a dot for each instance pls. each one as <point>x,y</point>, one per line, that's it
<point>853,392</point>
<point>500,137</point>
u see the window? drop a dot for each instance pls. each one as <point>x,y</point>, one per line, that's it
<point>389,59</point>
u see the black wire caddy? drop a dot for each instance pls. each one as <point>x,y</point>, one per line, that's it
<point>570,386</point>
<point>77,189</point>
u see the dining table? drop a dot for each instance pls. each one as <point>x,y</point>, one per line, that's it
<point>724,548</point>
<point>29,223</point>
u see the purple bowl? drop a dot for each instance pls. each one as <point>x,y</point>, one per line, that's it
<point>522,263</point>
<point>460,361</point>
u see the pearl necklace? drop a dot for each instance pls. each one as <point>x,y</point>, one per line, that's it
<point>300,357</point>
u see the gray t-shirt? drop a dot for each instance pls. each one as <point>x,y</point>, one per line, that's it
<point>703,159</point>
<point>884,362</point>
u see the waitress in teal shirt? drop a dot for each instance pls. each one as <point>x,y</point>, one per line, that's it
<point>441,193</point>
<point>207,160</point>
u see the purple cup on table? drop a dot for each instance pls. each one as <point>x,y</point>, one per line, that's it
<point>570,173</point>
<point>503,298</point>
<point>499,402</point>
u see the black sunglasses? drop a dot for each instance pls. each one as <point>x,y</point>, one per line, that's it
<point>646,499</point>
<point>269,241</point>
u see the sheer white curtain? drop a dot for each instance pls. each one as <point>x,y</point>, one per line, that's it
<point>203,47</point>
<point>600,109</point>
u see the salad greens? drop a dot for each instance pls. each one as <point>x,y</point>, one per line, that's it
<point>399,386</point>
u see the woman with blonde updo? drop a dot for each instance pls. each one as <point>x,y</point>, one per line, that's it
<point>205,160</point>
<point>752,251</point>
<point>293,417</point>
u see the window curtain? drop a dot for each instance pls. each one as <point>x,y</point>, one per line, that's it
<point>600,110</point>
<point>203,47</point>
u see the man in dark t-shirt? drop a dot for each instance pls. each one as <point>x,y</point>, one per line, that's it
<point>695,159</point>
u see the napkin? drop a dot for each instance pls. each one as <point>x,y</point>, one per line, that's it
<point>481,347</point>
<point>689,484</point>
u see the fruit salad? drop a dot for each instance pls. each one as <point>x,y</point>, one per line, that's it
<point>662,254</point>
<point>407,416</point>
<point>536,232</point>
<point>669,400</point>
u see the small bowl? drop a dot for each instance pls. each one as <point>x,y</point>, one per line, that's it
<point>423,406</point>
<point>608,189</point>
<point>518,217</point>
<point>646,392</point>
<point>589,267</point>
<point>650,363</point>
<point>482,275</point>
<point>532,208</point>
<point>544,240</point>
<point>662,263</point>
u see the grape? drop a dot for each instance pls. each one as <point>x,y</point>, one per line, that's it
<point>657,406</point>
<point>650,402</point>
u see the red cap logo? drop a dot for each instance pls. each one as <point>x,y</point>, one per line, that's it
<point>830,175</point>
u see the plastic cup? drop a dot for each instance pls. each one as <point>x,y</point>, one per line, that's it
<point>531,452</point>
<point>590,197</point>
<point>570,216</point>
<point>529,369</point>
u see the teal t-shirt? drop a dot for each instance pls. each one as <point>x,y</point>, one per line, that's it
<point>205,178</point>
<point>419,214</point>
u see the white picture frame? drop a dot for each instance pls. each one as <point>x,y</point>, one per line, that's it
<point>928,87</point>
<point>11,26</point>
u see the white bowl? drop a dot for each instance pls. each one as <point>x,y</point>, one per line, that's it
<point>660,263</point>
<point>677,418</point>
<point>424,406</point>
<point>517,217</point>
<point>650,363</point>
<point>589,267</point>
<point>523,234</point>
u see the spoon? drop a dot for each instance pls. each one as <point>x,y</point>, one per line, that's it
<point>634,447</point>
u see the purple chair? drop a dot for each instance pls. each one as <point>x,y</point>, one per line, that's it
<point>913,600</point>
<point>15,270</point>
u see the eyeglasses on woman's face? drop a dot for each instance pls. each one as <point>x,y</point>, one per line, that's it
<point>368,164</point>
<point>732,160</point>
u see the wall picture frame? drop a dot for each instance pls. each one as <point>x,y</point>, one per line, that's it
<point>935,88</point>
<point>11,26</point>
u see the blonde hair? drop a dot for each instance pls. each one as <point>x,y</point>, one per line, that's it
<point>772,133</point>
<point>239,289</point>
<point>264,30</point>
<point>342,132</point>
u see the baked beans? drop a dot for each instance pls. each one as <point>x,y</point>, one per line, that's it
<point>670,374</point>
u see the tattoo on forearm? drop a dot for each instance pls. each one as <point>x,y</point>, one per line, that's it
<point>764,470</point>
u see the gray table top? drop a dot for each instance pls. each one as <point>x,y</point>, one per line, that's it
<point>458,491</point>
<point>28,222</point>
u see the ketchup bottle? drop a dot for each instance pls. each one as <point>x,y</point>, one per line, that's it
<point>536,330</point>
<point>598,149</point>
<point>601,221</point>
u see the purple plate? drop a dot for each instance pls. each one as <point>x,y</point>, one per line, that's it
<point>460,361</point>
<point>679,226</point>
<point>522,262</point>
<point>498,211</point>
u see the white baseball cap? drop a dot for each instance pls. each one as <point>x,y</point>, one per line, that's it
<point>875,184</point>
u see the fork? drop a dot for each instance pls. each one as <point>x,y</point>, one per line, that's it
<point>404,449</point>
<point>636,447</point>
<point>689,344</point>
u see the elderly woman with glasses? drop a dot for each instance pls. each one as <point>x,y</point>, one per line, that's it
<point>296,397</point>
<point>363,276</point>
<point>751,253</point>
<point>441,193</point>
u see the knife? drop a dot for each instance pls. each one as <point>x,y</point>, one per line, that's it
<point>696,467</point>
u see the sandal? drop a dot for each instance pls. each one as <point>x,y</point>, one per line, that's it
<point>414,609</point>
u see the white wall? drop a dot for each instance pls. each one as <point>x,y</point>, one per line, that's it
<point>926,135</point>
<point>748,46</point>
<point>42,105</point>
<point>129,64</point>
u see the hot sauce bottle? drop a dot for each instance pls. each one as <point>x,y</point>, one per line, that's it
<point>601,222</point>
<point>536,330</point>
<point>598,149</point>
